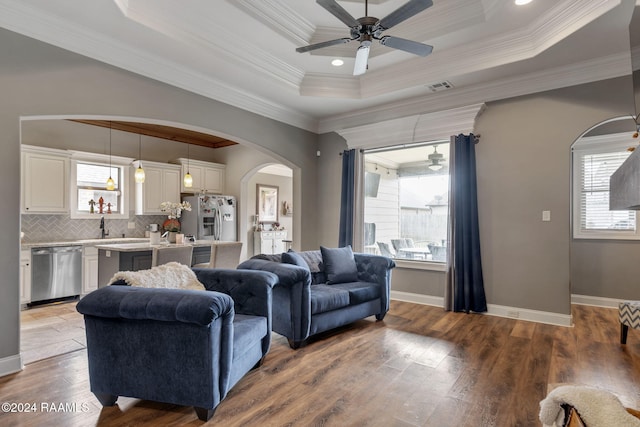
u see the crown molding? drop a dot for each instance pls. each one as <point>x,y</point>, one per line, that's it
<point>439,125</point>
<point>31,22</point>
<point>279,17</point>
<point>344,86</point>
<point>224,47</point>
<point>612,66</point>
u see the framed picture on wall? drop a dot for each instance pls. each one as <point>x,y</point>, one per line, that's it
<point>267,203</point>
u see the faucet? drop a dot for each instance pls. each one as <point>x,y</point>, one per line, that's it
<point>103,233</point>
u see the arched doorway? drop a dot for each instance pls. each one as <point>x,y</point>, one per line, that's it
<point>276,176</point>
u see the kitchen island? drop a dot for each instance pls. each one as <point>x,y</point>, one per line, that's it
<point>114,257</point>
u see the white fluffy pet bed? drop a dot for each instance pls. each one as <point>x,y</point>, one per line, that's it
<point>597,408</point>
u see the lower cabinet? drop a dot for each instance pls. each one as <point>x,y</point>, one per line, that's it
<point>109,262</point>
<point>89,269</point>
<point>25,277</point>
<point>269,242</point>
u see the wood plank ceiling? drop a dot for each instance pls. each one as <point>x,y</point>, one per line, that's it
<point>164,132</point>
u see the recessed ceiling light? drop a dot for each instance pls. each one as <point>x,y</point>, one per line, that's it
<point>522,2</point>
<point>337,62</point>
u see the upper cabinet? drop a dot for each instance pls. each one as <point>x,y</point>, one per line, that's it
<point>161,184</point>
<point>45,180</point>
<point>207,177</point>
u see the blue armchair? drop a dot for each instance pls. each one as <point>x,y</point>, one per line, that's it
<point>178,346</point>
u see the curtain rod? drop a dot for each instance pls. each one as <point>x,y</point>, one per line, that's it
<point>409,145</point>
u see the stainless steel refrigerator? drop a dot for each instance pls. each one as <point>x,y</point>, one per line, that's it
<point>212,217</point>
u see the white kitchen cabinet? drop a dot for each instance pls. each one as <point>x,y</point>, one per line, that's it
<point>25,277</point>
<point>89,269</point>
<point>269,242</point>
<point>45,180</point>
<point>207,177</point>
<point>161,184</point>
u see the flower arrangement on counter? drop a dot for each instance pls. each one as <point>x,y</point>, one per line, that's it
<point>175,211</point>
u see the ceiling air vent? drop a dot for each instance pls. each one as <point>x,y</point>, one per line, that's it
<point>440,86</point>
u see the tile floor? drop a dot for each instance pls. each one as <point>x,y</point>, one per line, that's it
<point>50,330</point>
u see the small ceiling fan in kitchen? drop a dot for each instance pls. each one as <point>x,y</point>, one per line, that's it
<point>369,28</point>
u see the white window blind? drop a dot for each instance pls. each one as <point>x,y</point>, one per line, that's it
<point>594,187</point>
<point>595,159</point>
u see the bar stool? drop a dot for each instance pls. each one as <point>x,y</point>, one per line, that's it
<point>223,255</point>
<point>287,244</point>
<point>164,255</point>
<point>629,316</point>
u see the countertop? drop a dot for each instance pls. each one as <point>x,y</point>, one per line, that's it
<point>84,242</point>
<point>145,246</point>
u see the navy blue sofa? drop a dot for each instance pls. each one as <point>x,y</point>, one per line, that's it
<point>185,347</point>
<point>321,290</point>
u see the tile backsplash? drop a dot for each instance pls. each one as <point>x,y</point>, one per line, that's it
<point>55,228</point>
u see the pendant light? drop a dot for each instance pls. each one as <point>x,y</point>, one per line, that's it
<point>111,185</point>
<point>188,180</point>
<point>139,175</point>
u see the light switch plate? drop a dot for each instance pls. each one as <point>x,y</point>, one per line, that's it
<point>546,215</point>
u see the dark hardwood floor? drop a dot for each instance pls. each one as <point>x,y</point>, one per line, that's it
<point>420,367</point>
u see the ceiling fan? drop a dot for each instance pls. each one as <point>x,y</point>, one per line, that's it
<point>368,28</point>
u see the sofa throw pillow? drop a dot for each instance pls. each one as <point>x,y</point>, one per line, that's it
<point>171,275</point>
<point>339,265</point>
<point>294,258</point>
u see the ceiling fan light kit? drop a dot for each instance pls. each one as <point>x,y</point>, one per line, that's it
<point>362,58</point>
<point>435,158</point>
<point>370,28</point>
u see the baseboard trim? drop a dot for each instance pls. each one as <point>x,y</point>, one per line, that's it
<point>529,315</point>
<point>547,317</point>
<point>595,301</point>
<point>417,298</point>
<point>10,365</point>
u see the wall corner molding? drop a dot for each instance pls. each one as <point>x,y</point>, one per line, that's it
<point>11,365</point>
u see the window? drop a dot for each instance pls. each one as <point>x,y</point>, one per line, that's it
<point>406,204</point>
<point>88,182</point>
<point>595,159</point>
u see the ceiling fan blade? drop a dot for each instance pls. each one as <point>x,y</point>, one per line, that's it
<point>404,12</point>
<point>410,46</point>
<point>338,11</point>
<point>323,44</point>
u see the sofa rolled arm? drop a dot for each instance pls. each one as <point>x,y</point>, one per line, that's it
<point>373,268</point>
<point>251,290</point>
<point>291,295</point>
<point>288,274</point>
<point>168,305</point>
<point>376,269</point>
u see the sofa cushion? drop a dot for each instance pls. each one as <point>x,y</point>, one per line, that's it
<point>360,292</point>
<point>246,331</point>
<point>313,260</point>
<point>339,265</point>
<point>326,298</point>
<point>294,258</point>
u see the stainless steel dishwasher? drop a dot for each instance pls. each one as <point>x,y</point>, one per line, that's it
<point>56,272</point>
